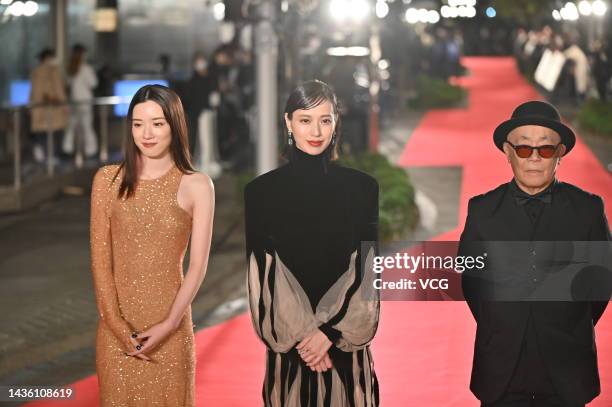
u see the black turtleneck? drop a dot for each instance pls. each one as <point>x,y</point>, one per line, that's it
<point>314,214</point>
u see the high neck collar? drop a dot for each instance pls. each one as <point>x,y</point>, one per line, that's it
<point>306,164</point>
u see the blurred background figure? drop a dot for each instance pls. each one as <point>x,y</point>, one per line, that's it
<point>106,78</point>
<point>602,68</point>
<point>165,66</point>
<point>351,79</point>
<point>230,67</point>
<point>441,58</point>
<point>518,46</point>
<point>82,80</point>
<point>576,67</point>
<point>201,100</point>
<point>47,88</point>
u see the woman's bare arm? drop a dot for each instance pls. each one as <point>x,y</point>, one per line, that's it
<point>197,197</point>
<point>200,194</point>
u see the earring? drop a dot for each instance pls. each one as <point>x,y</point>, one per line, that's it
<point>290,138</point>
<point>333,139</point>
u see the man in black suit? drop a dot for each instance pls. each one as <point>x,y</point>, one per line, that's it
<point>533,353</point>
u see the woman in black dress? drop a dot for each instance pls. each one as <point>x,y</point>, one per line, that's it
<point>311,232</point>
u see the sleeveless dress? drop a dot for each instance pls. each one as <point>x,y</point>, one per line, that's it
<point>137,250</point>
<point>311,234</point>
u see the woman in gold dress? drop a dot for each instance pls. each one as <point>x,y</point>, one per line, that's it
<point>144,211</point>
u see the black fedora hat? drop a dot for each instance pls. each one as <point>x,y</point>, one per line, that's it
<point>539,114</point>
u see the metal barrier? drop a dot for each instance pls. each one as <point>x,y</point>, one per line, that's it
<point>103,103</point>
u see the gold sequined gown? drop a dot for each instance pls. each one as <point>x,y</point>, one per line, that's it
<point>137,250</point>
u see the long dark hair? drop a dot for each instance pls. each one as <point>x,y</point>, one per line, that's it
<point>174,114</point>
<point>308,95</point>
<point>76,59</point>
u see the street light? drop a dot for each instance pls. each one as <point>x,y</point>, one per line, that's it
<point>458,3</point>
<point>383,64</point>
<point>412,15</point>
<point>585,8</point>
<point>382,9</point>
<point>16,9</point>
<point>359,9</point>
<point>348,51</point>
<point>569,12</point>
<point>339,9</point>
<point>433,16</point>
<point>445,11</point>
<point>219,11</point>
<point>421,15</point>
<point>556,15</point>
<point>599,8</point>
<point>356,10</point>
<point>30,8</point>
<point>19,8</point>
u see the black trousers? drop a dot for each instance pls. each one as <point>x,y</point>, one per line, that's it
<point>529,400</point>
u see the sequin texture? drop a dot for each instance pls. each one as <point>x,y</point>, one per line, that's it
<point>137,250</point>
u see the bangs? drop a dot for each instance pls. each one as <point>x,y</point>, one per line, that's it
<point>314,101</point>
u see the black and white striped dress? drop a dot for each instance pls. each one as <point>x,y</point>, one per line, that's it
<point>311,232</point>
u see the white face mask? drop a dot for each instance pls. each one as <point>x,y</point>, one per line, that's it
<point>200,65</point>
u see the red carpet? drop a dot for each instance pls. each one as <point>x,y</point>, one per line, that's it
<point>423,350</point>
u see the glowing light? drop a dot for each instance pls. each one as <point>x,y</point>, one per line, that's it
<point>348,51</point>
<point>412,16</point>
<point>599,8</point>
<point>359,9</point>
<point>17,8</point>
<point>30,8</point>
<point>445,11</point>
<point>356,10</point>
<point>339,9</point>
<point>585,8</point>
<point>219,11</point>
<point>433,16</point>
<point>382,9</point>
<point>570,12</point>
<point>383,64</point>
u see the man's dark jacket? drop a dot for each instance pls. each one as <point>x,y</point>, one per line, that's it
<point>564,330</point>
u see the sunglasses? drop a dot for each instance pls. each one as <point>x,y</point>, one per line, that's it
<point>524,151</point>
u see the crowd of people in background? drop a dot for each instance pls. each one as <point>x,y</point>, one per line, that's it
<point>218,96</point>
<point>82,81</point>
<point>585,68</point>
<point>218,92</point>
<point>47,88</point>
